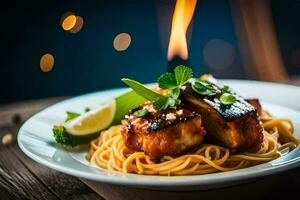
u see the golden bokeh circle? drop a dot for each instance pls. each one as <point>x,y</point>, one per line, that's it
<point>78,26</point>
<point>122,41</point>
<point>64,16</point>
<point>69,22</point>
<point>47,62</point>
<point>219,54</point>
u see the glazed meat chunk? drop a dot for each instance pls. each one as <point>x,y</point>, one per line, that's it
<point>160,133</point>
<point>236,126</point>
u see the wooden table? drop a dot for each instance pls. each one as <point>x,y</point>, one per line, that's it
<point>22,178</point>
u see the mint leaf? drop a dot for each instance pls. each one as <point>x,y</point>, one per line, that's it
<point>160,102</point>
<point>142,90</point>
<point>141,113</point>
<point>173,82</point>
<point>204,88</point>
<point>227,99</point>
<point>71,115</point>
<point>180,77</point>
<point>175,93</point>
<point>164,103</point>
<point>167,81</point>
<point>182,74</point>
<point>225,89</point>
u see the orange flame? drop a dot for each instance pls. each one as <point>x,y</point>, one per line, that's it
<point>182,17</point>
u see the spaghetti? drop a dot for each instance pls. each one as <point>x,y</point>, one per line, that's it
<point>109,152</point>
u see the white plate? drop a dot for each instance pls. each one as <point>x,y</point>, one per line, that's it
<point>35,140</point>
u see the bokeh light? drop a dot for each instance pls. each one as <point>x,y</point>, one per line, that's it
<point>47,62</point>
<point>78,26</point>
<point>69,22</point>
<point>122,41</point>
<point>219,54</point>
<point>64,16</point>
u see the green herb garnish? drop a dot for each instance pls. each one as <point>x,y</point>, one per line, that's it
<point>182,74</point>
<point>142,90</point>
<point>160,102</point>
<point>175,93</point>
<point>227,99</point>
<point>167,81</point>
<point>141,113</point>
<point>62,137</point>
<point>164,103</point>
<point>174,81</point>
<point>204,88</point>
<point>208,89</point>
<point>170,82</point>
<point>226,89</point>
<point>66,139</point>
<point>87,109</point>
<point>71,115</point>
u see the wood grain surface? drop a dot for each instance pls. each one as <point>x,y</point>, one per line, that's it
<point>23,178</point>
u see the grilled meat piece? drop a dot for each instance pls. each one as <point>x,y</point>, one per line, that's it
<point>256,104</point>
<point>165,132</point>
<point>236,126</point>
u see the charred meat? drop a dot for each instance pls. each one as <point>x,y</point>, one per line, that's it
<point>256,104</point>
<point>236,126</point>
<point>162,132</point>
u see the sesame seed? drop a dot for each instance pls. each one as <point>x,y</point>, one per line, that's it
<point>179,112</point>
<point>170,116</point>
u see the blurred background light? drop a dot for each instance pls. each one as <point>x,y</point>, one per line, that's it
<point>122,41</point>
<point>64,16</point>
<point>78,25</point>
<point>69,22</point>
<point>218,54</point>
<point>47,62</point>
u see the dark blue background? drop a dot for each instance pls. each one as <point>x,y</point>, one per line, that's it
<point>86,61</point>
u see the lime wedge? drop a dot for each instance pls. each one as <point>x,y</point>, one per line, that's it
<point>92,121</point>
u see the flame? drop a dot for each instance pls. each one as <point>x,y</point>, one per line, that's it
<point>182,17</point>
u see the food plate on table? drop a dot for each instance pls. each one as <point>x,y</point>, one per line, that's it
<point>182,133</point>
